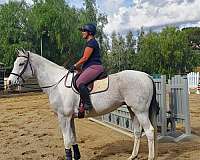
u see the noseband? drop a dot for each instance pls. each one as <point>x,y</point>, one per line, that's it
<point>24,69</point>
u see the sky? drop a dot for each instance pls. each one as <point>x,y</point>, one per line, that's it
<point>126,15</point>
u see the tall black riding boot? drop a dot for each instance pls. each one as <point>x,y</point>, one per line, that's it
<point>84,92</point>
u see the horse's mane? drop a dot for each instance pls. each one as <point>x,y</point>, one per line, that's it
<point>50,63</point>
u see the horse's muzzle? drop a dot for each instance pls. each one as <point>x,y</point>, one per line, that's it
<point>13,83</point>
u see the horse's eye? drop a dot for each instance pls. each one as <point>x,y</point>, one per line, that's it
<point>21,64</point>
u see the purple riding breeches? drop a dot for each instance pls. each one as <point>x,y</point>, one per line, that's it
<point>89,74</point>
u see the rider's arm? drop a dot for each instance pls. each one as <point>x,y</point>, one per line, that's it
<point>86,55</point>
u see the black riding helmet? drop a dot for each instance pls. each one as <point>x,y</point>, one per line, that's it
<point>89,28</point>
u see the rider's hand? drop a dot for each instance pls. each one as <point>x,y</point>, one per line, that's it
<point>72,68</point>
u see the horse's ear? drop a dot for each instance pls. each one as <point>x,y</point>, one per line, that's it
<point>20,52</point>
<point>17,51</point>
<point>23,50</point>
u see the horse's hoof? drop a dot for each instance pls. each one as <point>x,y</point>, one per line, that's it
<point>68,154</point>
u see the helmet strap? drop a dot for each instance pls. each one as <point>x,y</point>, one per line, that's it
<point>88,34</point>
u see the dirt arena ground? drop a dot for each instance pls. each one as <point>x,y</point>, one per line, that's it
<point>29,131</point>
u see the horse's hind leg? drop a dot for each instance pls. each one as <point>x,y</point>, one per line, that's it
<point>144,121</point>
<point>137,135</point>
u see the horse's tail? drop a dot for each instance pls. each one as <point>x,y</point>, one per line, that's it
<point>153,112</point>
<point>154,107</point>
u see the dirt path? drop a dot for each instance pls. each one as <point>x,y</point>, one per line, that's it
<point>29,131</point>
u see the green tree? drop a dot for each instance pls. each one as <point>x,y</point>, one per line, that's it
<point>112,55</point>
<point>166,52</point>
<point>56,24</point>
<point>141,34</point>
<point>193,36</point>
<point>90,11</point>
<point>122,52</point>
<point>149,59</point>
<point>13,18</point>
<point>130,51</point>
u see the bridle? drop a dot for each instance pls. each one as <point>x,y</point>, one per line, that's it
<point>24,69</point>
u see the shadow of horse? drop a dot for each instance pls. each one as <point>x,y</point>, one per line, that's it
<point>117,148</point>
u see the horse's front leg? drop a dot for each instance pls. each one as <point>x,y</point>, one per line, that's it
<point>77,154</point>
<point>68,134</point>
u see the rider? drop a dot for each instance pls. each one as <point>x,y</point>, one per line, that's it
<point>90,63</point>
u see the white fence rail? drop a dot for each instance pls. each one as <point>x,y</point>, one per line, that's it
<point>193,80</point>
<point>179,105</point>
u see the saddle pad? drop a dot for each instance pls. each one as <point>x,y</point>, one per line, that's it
<point>100,85</point>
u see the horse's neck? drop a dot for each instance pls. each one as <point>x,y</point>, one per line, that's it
<point>46,72</point>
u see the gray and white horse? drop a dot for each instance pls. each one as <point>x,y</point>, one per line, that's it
<point>135,89</point>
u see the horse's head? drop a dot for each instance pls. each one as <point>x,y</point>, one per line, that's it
<point>22,69</point>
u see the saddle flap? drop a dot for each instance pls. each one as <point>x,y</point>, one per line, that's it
<point>100,85</point>
<point>68,80</point>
